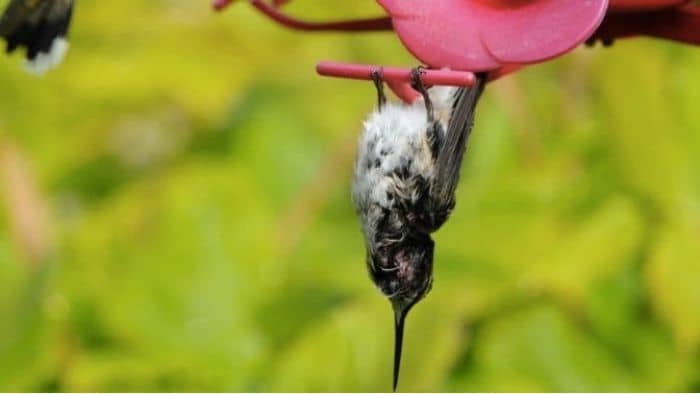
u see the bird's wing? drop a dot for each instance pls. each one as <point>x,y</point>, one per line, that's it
<point>60,9</point>
<point>454,144</point>
<point>21,12</point>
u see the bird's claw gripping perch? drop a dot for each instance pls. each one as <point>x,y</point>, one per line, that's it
<point>419,86</point>
<point>377,75</point>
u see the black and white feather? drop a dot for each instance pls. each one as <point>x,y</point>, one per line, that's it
<point>41,28</point>
<point>404,182</point>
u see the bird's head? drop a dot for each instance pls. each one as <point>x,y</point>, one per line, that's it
<point>403,271</point>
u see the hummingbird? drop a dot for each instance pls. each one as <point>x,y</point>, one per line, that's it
<point>404,179</point>
<point>41,27</point>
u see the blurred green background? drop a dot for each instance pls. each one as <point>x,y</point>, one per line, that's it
<point>175,215</point>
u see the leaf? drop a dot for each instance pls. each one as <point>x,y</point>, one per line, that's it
<point>672,275</point>
<point>643,131</point>
<point>539,348</point>
<point>601,246</point>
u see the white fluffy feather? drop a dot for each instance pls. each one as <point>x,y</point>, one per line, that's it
<point>44,62</point>
<point>390,138</point>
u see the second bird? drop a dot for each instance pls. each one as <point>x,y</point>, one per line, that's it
<point>39,26</point>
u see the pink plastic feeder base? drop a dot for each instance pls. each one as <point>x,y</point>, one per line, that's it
<point>484,35</point>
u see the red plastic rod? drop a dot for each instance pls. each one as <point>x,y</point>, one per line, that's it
<point>376,24</point>
<point>398,79</point>
<point>395,74</point>
<point>221,4</point>
<point>273,12</point>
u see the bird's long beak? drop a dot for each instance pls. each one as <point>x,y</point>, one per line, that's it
<point>399,319</point>
<point>400,312</point>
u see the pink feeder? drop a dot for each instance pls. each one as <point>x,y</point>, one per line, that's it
<point>484,35</point>
<point>496,36</point>
<point>473,35</point>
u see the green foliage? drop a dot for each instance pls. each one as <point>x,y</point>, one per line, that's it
<point>196,172</point>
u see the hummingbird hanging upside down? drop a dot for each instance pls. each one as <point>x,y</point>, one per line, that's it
<point>40,26</point>
<point>405,176</point>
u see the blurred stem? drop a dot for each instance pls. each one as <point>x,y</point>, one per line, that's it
<point>26,207</point>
